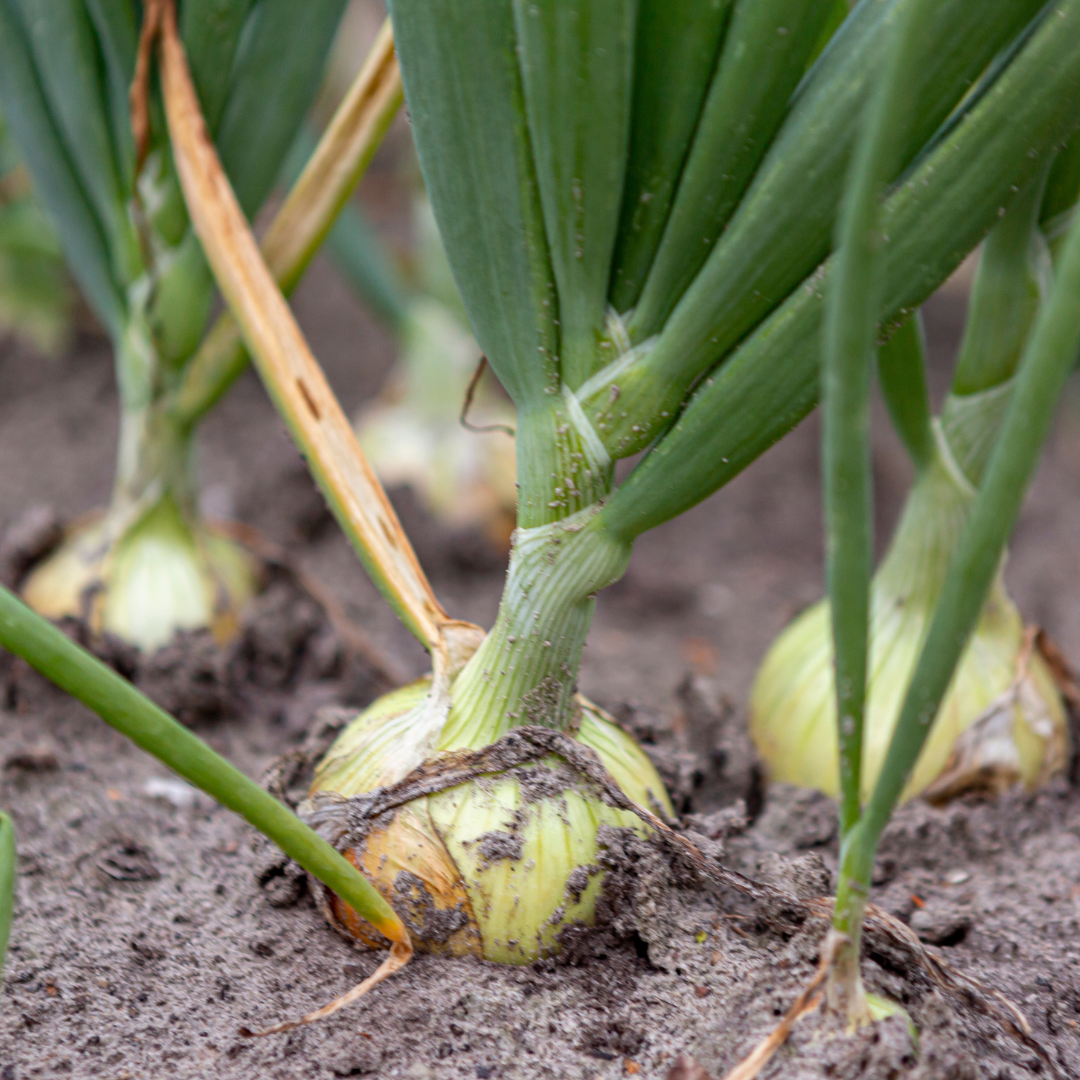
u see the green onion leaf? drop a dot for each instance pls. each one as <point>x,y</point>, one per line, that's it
<point>678,42</point>
<point>940,212</point>
<point>65,52</point>
<point>54,175</point>
<point>471,133</point>
<point>577,64</point>
<point>118,37</point>
<point>1048,359</point>
<point>135,716</point>
<point>274,80</point>
<point>782,228</point>
<point>763,59</point>
<point>902,374</point>
<point>852,303</point>
<point>210,30</point>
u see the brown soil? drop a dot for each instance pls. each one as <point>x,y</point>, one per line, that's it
<point>151,925</point>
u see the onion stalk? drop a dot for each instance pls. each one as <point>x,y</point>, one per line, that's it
<point>575,528</point>
<point>1041,349</point>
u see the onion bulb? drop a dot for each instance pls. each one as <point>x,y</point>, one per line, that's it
<point>1002,721</point>
<point>146,581</point>
<point>497,867</point>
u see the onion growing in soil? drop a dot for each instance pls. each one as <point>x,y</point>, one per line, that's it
<point>607,343</point>
<point>149,565</point>
<point>448,862</point>
<point>575,165</point>
<point>1003,719</point>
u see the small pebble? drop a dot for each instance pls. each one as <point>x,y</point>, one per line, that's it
<point>181,795</point>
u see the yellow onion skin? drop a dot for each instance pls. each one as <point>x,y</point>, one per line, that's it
<point>496,867</point>
<point>793,705</point>
<point>159,576</point>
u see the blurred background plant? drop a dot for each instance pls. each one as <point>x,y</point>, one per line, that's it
<point>150,565</point>
<point>418,433</point>
<point>36,297</point>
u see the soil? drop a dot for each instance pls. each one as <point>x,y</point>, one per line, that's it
<point>151,924</point>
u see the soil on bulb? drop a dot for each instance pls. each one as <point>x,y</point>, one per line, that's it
<point>151,925</point>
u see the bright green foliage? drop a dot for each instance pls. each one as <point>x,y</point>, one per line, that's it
<point>934,589</point>
<point>482,183</point>
<point>210,31</point>
<point>941,211</point>
<point>735,365</point>
<point>1062,191</point>
<point>117,35</point>
<point>42,148</point>
<point>902,374</point>
<point>783,227</point>
<point>853,303</point>
<point>852,306</point>
<point>274,79</point>
<point>764,55</point>
<point>64,50</point>
<point>1047,360</point>
<point>577,62</point>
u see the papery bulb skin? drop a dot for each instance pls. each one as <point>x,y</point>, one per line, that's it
<point>158,577</point>
<point>990,731</point>
<point>497,867</point>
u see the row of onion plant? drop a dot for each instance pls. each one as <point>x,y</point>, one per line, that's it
<point>638,202</point>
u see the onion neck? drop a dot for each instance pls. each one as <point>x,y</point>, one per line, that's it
<point>155,456</point>
<point>526,670</point>
<point>930,527</point>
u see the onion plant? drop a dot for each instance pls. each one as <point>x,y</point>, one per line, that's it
<point>995,460</point>
<point>683,317</point>
<point>1003,719</point>
<point>560,143</point>
<point>149,565</point>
